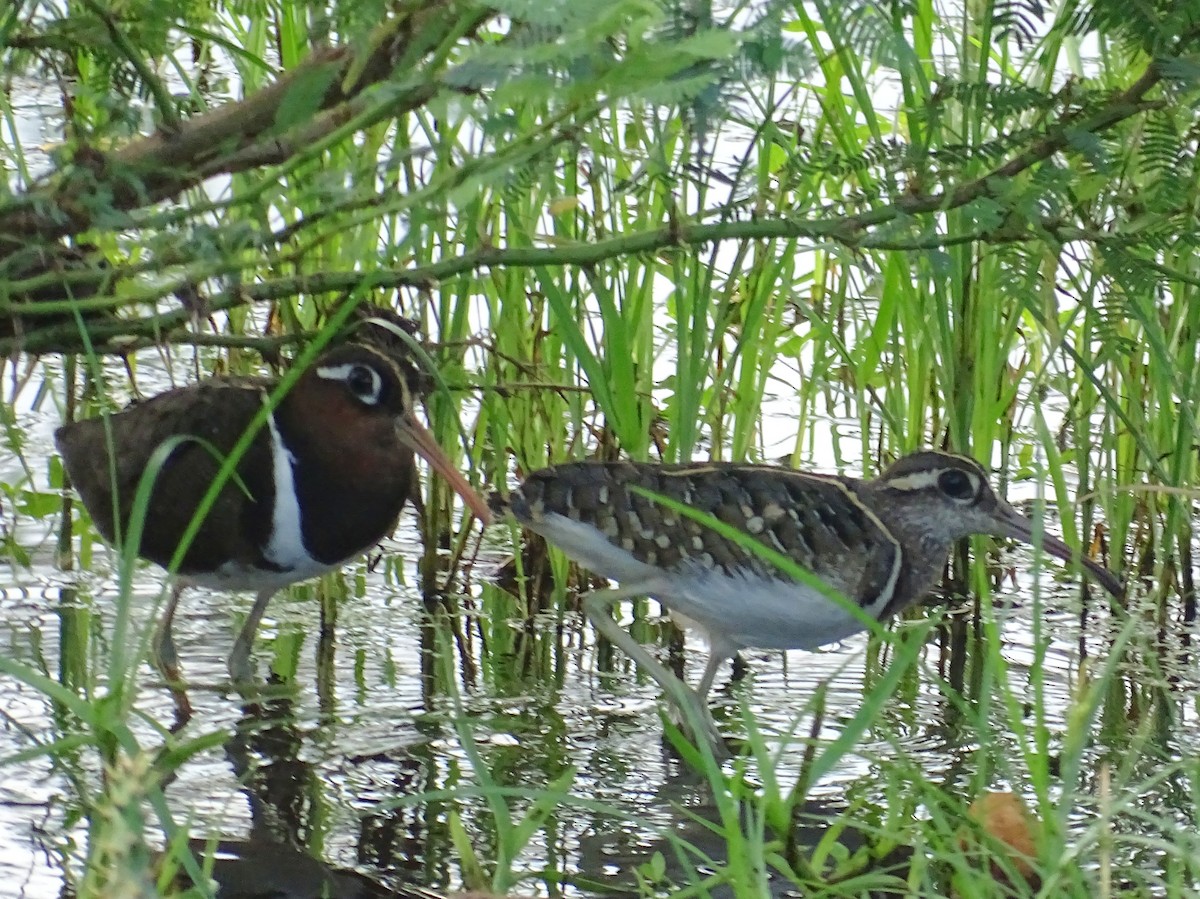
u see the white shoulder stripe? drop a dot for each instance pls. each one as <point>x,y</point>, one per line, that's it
<point>286,545</point>
<point>889,588</point>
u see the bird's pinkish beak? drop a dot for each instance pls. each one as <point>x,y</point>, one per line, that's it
<point>416,436</point>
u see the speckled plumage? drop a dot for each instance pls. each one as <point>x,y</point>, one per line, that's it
<point>879,543</point>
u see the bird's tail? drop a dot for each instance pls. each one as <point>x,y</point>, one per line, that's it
<point>513,504</point>
<point>499,504</point>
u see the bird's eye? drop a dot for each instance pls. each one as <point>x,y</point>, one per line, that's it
<point>364,382</point>
<point>957,484</point>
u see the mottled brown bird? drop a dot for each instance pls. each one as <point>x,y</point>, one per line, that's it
<point>877,544</point>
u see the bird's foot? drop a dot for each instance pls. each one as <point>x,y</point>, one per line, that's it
<point>169,669</point>
<point>241,668</point>
<point>183,705</point>
<point>165,659</point>
<point>696,725</point>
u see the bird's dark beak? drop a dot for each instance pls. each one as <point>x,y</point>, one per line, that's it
<point>417,437</point>
<point>1011,523</point>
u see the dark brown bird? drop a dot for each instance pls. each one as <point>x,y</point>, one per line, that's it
<point>323,480</point>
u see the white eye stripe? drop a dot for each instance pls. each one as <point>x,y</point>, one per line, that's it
<point>335,372</point>
<point>918,480</point>
<point>350,374</point>
<point>924,480</point>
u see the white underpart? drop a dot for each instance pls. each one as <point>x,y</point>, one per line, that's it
<point>738,610</point>
<point>747,610</point>
<point>591,549</point>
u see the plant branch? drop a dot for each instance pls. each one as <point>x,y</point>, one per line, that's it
<point>239,135</point>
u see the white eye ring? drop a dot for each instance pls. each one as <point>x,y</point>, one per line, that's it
<point>361,380</point>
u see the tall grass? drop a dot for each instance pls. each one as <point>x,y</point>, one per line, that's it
<point>627,232</point>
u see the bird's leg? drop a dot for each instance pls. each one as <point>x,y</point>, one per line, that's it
<point>718,654</point>
<point>695,712</point>
<point>165,658</point>
<point>239,659</point>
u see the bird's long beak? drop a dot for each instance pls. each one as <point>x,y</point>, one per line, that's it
<point>416,436</point>
<point>1011,523</point>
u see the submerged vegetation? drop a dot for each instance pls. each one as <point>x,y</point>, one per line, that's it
<point>823,233</point>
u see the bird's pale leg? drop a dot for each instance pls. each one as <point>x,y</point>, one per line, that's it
<point>165,658</point>
<point>719,653</point>
<point>239,659</point>
<point>695,713</point>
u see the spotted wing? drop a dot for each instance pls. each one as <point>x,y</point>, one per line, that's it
<point>815,521</point>
<point>216,412</point>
